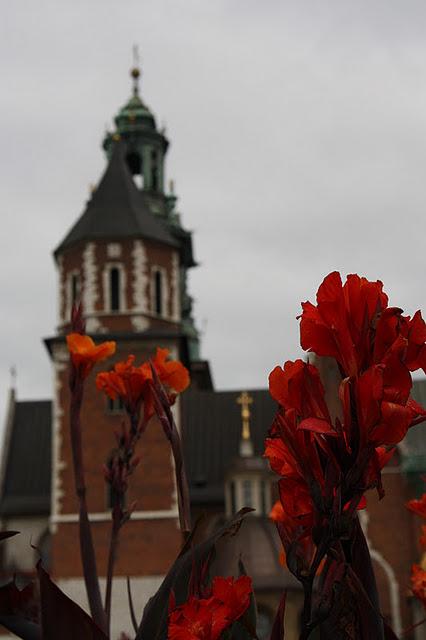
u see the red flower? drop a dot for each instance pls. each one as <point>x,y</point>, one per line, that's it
<point>233,594</point>
<point>418,506</point>
<point>131,383</point>
<point>85,354</point>
<point>197,620</point>
<point>298,386</point>
<point>381,420</point>
<point>418,583</point>
<point>340,325</point>
<point>207,618</point>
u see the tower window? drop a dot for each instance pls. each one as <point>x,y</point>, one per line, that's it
<point>75,288</point>
<point>158,292</point>
<point>154,171</point>
<point>115,405</point>
<point>114,289</point>
<point>134,162</point>
<point>247,493</point>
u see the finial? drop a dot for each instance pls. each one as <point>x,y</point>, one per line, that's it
<point>246,445</point>
<point>172,187</point>
<point>12,372</point>
<point>135,71</point>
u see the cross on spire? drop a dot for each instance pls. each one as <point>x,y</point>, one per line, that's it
<point>246,446</point>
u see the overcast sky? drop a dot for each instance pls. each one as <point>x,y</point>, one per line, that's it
<point>298,146</point>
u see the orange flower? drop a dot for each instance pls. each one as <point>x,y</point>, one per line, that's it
<point>418,583</point>
<point>172,373</point>
<point>130,383</point>
<point>126,382</point>
<point>85,353</point>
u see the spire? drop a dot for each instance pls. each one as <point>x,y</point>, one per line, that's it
<point>246,445</point>
<point>135,72</point>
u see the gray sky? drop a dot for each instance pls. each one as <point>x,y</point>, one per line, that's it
<point>298,146</point>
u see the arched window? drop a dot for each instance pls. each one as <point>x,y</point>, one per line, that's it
<point>75,289</point>
<point>158,292</point>
<point>154,171</point>
<point>134,162</point>
<point>114,289</point>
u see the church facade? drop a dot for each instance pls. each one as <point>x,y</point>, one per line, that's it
<point>127,258</point>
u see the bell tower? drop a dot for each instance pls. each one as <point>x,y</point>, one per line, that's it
<point>126,258</point>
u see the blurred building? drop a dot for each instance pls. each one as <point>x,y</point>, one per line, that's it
<point>127,259</point>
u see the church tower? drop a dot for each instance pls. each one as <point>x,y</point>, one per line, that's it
<point>126,258</point>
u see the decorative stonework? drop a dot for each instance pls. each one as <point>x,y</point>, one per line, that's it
<point>61,291</point>
<point>90,290</point>
<point>139,323</point>
<point>176,311</point>
<point>139,277</point>
<point>60,365</point>
<point>94,326</point>
<point>114,250</point>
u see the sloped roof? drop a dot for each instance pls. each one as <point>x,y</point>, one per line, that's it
<point>211,436</point>
<point>117,209</point>
<point>27,474</point>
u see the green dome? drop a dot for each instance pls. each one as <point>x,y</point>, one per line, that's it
<point>133,116</point>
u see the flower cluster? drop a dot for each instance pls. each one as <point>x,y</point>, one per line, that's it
<point>326,464</point>
<point>132,384</point>
<point>207,618</point>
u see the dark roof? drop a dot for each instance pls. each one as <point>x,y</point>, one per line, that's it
<point>211,436</point>
<point>27,475</point>
<point>118,209</point>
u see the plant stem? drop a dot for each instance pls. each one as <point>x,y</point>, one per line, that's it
<point>87,550</point>
<point>115,528</point>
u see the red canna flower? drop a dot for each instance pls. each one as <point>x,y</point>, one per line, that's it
<point>85,354</point>
<point>418,506</point>
<point>233,594</point>
<point>207,618</point>
<point>340,325</point>
<point>298,386</point>
<point>197,619</point>
<point>353,324</point>
<point>418,583</point>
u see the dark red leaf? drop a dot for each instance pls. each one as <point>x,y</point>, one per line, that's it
<point>61,617</point>
<point>277,632</point>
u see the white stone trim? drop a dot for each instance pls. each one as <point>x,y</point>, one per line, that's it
<point>61,291</point>
<point>59,365</point>
<point>139,323</point>
<point>114,250</point>
<point>175,285</point>
<point>108,267</point>
<point>139,277</point>
<point>164,292</point>
<point>90,290</point>
<point>105,516</point>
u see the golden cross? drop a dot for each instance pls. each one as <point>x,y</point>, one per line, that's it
<point>245,400</point>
